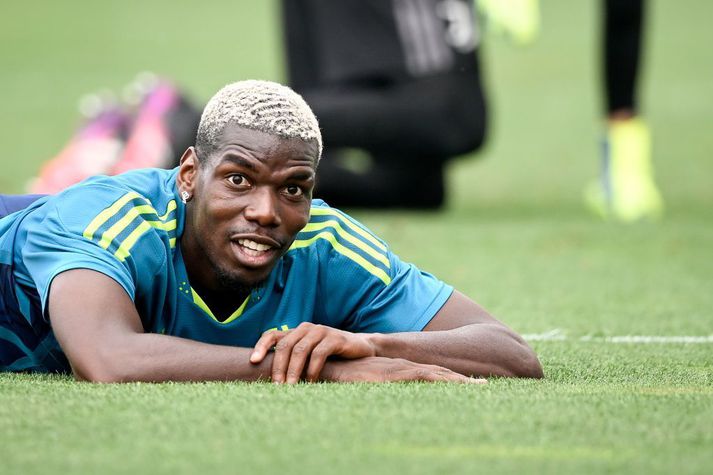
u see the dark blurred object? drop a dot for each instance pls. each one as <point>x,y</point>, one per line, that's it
<point>623,30</point>
<point>396,79</point>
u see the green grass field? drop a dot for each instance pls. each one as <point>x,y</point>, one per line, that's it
<point>514,236</point>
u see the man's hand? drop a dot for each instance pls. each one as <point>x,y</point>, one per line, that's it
<point>308,342</point>
<point>380,370</point>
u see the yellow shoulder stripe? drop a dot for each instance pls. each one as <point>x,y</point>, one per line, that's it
<point>122,224</point>
<point>167,226</point>
<point>123,252</point>
<point>329,237</point>
<point>379,256</point>
<point>332,212</point>
<point>105,215</point>
<point>171,206</point>
<point>125,247</point>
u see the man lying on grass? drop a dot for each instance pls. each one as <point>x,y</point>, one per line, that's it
<point>197,273</point>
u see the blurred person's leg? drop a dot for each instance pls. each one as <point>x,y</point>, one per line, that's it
<point>387,183</point>
<point>410,130</point>
<point>300,44</point>
<point>623,31</point>
<point>626,190</point>
<point>12,203</point>
<point>433,117</point>
<point>389,78</point>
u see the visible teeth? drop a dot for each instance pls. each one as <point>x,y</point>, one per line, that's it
<point>255,246</point>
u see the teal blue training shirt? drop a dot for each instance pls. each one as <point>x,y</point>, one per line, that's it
<point>129,227</point>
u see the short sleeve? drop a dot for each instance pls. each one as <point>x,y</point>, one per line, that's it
<point>364,287</point>
<point>99,228</point>
<point>408,303</point>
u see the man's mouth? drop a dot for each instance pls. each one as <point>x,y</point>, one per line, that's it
<point>252,248</point>
<point>252,253</point>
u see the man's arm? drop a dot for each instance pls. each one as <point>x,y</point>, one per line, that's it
<point>100,331</point>
<point>462,337</point>
<point>465,338</point>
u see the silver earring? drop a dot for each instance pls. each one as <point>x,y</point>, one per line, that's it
<point>185,196</point>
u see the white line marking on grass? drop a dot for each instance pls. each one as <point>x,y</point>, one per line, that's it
<point>558,334</point>
<point>656,339</point>
<point>552,335</point>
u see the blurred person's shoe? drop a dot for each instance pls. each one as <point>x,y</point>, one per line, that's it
<point>92,150</point>
<point>517,19</point>
<point>378,182</point>
<point>165,125</point>
<point>626,190</point>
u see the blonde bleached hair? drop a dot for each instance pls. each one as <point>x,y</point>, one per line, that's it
<point>264,106</point>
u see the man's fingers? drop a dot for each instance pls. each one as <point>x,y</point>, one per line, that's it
<point>434,373</point>
<point>459,378</point>
<point>435,376</point>
<point>449,373</point>
<point>264,344</point>
<point>301,352</point>
<point>318,358</point>
<point>451,376</point>
<point>283,353</point>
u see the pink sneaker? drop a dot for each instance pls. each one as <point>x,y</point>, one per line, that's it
<point>93,150</point>
<point>149,143</point>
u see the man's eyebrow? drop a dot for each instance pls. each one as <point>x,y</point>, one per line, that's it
<point>302,176</point>
<point>238,160</point>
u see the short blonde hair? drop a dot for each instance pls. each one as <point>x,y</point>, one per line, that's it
<point>265,106</point>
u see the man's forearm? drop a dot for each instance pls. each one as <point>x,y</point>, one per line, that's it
<point>154,358</point>
<point>482,349</point>
<point>107,343</point>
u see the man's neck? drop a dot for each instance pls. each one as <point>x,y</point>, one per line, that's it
<point>221,300</point>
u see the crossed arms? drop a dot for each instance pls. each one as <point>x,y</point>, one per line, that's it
<point>107,343</point>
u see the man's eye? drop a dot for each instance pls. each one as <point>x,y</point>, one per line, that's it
<point>237,180</point>
<point>294,190</point>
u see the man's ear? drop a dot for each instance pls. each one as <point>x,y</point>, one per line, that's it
<point>188,171</point>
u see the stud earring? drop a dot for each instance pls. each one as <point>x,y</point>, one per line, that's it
<point>185,196</point>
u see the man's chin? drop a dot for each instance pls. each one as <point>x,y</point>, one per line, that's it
<point>231,282</point>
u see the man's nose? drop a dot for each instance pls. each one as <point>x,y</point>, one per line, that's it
<point>263,208</point>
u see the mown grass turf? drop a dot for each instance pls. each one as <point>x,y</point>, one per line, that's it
<point>601,409</point>
<point>514,236</point>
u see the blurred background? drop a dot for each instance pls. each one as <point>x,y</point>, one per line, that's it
<point>514,222</point>
<point>545,98</point>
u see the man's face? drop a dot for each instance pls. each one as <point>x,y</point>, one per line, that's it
<point>249,200</point>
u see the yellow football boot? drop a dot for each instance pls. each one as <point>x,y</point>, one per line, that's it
<point>626,190</point>
<point>517,19</point>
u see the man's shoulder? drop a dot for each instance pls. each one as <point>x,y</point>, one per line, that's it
<point>151,183</point>
<point>334,238</point>
<point>115,213</point>
<point>321,215</point>
<point>105,196</point>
